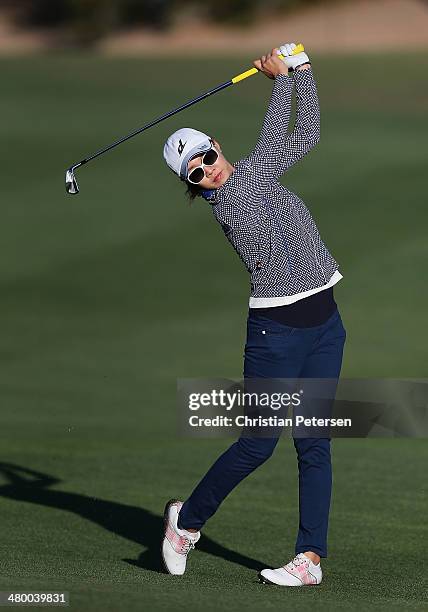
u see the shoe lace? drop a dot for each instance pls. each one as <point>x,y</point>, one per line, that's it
<point>186,545</point>
<point>296,562</point>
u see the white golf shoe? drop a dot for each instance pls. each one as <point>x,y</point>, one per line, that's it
<point>301,571</point>
<point>177,543</point>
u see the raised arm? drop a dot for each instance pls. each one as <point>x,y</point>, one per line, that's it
<point>276,150</point>
<point>306,132</point>
<point>266,158</point>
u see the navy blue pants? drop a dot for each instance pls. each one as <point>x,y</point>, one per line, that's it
<point>275,350</point>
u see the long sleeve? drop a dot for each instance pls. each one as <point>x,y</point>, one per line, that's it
<point>306,132</point>
<point>266,156</point>
<point>276,150</point>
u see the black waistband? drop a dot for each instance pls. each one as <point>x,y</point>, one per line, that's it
<point>307,312</point>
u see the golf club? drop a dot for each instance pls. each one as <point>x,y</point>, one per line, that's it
<point>71,185</point>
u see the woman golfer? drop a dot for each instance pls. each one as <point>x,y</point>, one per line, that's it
<point>294,328</point>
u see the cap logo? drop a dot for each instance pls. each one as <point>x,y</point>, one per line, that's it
<point>181,146</point>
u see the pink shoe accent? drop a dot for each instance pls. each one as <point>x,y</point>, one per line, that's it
<point>180,544</point>
<point>299,569</point>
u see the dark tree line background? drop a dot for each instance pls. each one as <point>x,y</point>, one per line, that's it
<point>85,21</point>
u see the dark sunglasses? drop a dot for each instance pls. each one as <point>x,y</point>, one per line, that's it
<point>196,174</point>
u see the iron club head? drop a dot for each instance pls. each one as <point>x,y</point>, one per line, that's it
<point>71,185</point>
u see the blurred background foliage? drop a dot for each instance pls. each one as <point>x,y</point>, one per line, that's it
<point>86,21</point>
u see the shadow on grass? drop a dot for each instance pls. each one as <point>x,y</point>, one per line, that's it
<point>131,522</point>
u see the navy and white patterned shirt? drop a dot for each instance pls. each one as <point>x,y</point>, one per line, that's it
<point>268,225</point>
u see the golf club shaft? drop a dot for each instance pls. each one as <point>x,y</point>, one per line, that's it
<point>154,122</point>
<point>240,77</point>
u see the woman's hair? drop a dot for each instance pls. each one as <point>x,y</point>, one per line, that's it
<point>192,191</point>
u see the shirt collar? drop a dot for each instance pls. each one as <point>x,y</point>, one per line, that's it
<point>208,194</point>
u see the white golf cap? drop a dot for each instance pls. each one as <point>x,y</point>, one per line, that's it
<point>182,146</point>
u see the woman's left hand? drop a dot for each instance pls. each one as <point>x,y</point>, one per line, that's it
<point>291,60</point>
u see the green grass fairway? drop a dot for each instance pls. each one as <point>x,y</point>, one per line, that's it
<point>109,296</point>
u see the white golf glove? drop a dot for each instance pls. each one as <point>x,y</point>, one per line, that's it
<point>290,60</point>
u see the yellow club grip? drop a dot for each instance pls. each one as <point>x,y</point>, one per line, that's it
<point>240,77</point>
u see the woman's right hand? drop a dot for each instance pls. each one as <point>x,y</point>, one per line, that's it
<point>271,65</point>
